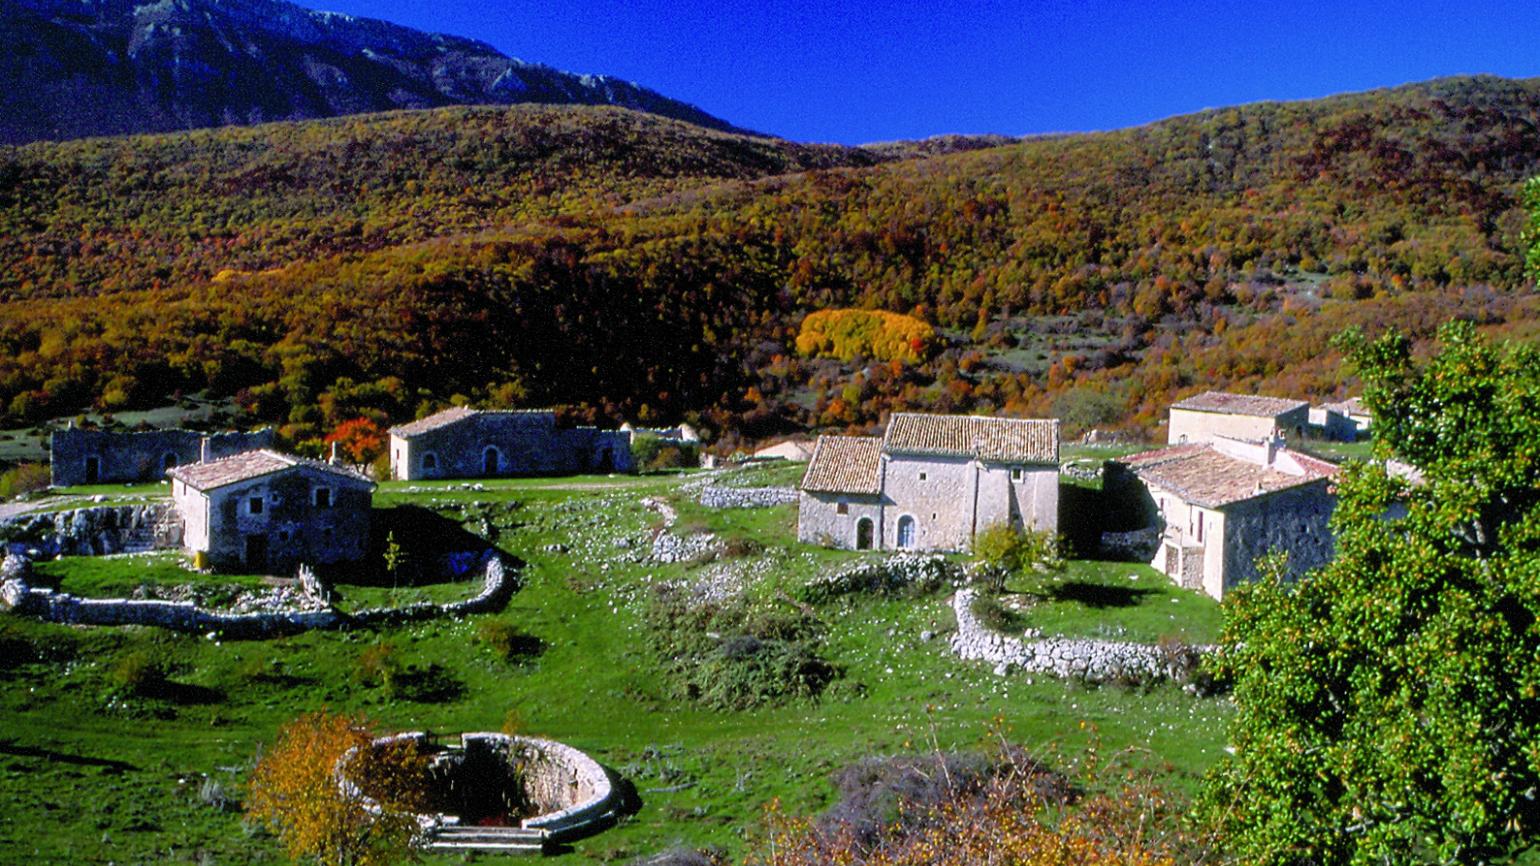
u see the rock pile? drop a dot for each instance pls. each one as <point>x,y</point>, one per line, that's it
<point>1097,661</point>
<point>98,531</point>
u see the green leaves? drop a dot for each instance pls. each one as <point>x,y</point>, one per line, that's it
<point>1389,704</point>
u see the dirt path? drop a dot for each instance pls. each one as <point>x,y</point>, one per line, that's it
<point>11,509</point>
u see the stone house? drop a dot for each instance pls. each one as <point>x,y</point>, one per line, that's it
<point>1347,421</point>
<point>930,482</point>
<point>79,456</point>
<point>1221,504</point>
<point>793,450</point>
<point>482,443</point>
<point>267,512</point>
<point>1213,414</point>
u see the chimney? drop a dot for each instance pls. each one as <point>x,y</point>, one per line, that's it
<point>203,450</point>
<point>332,459</point>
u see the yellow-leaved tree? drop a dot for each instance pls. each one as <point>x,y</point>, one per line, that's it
<point>875,334</point>
<point>296,791</point>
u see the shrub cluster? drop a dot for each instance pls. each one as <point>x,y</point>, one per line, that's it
<point>737,655</point>
<point>507,641</point>
<point>24,478</point>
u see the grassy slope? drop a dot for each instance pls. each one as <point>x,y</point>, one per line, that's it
<point>92,776</point>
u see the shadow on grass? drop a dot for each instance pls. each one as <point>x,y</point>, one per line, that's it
<point>182,694</point>
<point>1098,595</point>
<point>428,684</point>
<point>11,747</point>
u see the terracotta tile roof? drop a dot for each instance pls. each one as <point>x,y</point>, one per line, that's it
<point>845,464</point>
<point>1204,476</point>
<point>1008,440</point>
<point>432,422</point>
<point>1239,404</point>
<point>248,465</point>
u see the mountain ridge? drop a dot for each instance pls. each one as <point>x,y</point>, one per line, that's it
<point>79,68</point>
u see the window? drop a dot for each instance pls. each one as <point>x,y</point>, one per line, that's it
<point>842,508</point>
<point>1016,474</point>
<point>168,461</point>
<point>323,497</point>
<point>922,476</point>
<point>1200,526</point>
<point>430,461</point>
<point>906,531</point>
<point>254,505</point>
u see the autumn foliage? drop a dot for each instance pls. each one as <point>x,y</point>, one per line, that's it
<point>874,334</point>
<point>295,792</point>
<point>361,440</point>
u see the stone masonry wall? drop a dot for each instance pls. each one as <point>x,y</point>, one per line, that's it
<point>1084,658</point>
<point>98,531</point>
<point>130,458</point>
<point>17,593</point>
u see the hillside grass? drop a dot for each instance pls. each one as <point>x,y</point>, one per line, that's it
<point>91,772</point>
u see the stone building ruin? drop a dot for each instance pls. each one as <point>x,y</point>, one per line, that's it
<point>482,443</point>
<point>79,456</point>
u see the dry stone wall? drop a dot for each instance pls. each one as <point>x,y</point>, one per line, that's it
<point>1092,660</point>
<point>98,531</point>
<point>717,496</point>
<point>17,593</point>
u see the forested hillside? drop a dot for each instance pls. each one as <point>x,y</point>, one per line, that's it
<point>641,267</point>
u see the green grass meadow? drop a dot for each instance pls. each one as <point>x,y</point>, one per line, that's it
<point>92,772</point>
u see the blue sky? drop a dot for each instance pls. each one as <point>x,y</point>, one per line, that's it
<point>861,71</point>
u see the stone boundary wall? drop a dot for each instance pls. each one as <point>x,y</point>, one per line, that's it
<point>100,530</point>
<point>45,604</point>
<point>899,573</point>
<point>1089,659</point>
<point>716,496</point>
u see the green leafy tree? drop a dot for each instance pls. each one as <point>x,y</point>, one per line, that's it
<point>1388,705</point>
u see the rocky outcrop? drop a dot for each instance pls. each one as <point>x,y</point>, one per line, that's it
<point>99,530</point>
<point>1097,661</point>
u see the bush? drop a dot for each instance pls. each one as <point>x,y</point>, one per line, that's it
<point>996,616</point>
<point>141,672</point>
<point>1004,552</point>
<point>379,665</point>
<point>24,478</point>
<point>651,454</point>
<point>507,641</point>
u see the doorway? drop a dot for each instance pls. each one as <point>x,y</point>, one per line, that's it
<point>489,461</point>
<point>864,534</point>
<point>256,553</point>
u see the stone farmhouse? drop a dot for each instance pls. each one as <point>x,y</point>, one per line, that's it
<point>480,443</point>
<point>1220,504</point>
<point>79,456</point>
<point>1235,416</point>
<point>1347,421</point>
<point>793,450</point>
<point>266,512</point>
<point>931,482</point>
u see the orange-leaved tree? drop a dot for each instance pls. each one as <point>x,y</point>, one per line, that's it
<point>361,440</point>
<point>297,791</point>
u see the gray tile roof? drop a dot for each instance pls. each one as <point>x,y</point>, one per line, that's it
<point>845,464</point>
<point>1239,404</point>
<point>252,464</point>
<point>1005,440</point>
<point>432,422</point>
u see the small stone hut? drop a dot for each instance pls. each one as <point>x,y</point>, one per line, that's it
<point>267,512</point>
<point>1221,504</point>
<point>482,443</point>
<point>1214,414</point>
<point>931,482</point>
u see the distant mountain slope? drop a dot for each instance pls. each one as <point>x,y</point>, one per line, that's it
<point>75,68</point>
<point>650,267</point>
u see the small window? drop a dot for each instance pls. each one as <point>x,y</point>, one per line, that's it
<point>922,476</point>
<point>933,515</point>
<point>254,505</point>
<point>283,535</point>
<point>1015,474</point>
<point>323,497</point>
<point>842,508</point>
<point>430,461</point>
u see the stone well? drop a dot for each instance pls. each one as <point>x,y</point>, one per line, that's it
<point>568,792</point>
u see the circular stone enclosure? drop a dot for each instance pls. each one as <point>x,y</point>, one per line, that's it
<point>494,787</point>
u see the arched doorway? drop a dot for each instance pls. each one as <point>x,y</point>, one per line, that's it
<point>489,461</point>
<point>905,532</point>
<point>864,534</point>
<point>606,463</point>
<point>167,462</point>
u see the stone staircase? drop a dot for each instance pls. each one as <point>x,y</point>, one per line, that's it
<point>493,840</point>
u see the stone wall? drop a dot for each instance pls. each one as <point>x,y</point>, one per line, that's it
<point>1083,658</point>
<point>130,458</point>
<point>1296,520</point>
<point>97,531</point>
<point>509,444</point>
<point>18,594</point>
<point>715,496</point>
